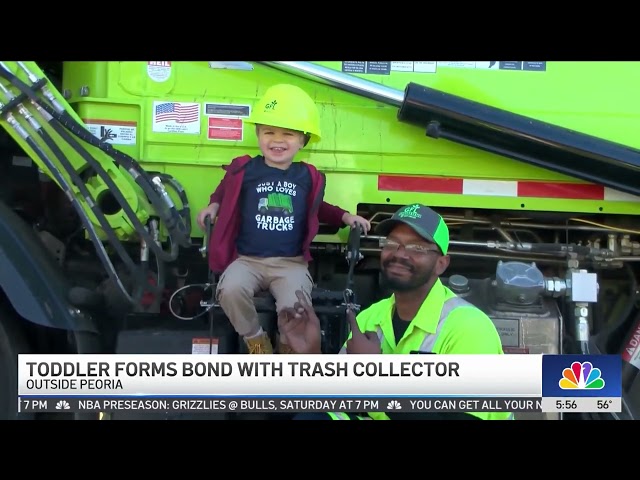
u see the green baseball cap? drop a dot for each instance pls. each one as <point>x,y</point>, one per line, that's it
<point>427,223</point>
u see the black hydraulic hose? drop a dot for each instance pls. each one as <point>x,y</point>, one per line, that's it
<point>139,282</point>
<point>161,275</point>
<point>113,240</point>
<point>160,279</point>
<point>168,213</point>
<point>185,213</point>
<point>633,287</point>
<point>93,235</point>
<point>115,191</point>
<point>172,219</point>
<point>44,109</point>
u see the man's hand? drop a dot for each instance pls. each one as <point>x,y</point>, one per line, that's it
<point>299,326</point>
<point>353,220</point>
<point>361,342</point>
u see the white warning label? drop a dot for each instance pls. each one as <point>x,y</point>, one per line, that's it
<point>159,71</point>
<point>204,346</point>
<point>114,132</point>
<point>417,67</point>
<point>496,65</point>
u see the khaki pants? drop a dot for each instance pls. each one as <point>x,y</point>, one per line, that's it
<point>247,276</point>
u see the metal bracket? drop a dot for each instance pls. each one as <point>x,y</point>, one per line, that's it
<point>349,298</point>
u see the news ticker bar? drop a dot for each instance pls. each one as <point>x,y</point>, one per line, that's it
<point>59,404</point>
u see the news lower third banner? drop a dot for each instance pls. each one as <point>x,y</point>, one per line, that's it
<point>320,383</point>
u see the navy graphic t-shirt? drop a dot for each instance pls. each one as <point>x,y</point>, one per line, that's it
<point>274,210</point>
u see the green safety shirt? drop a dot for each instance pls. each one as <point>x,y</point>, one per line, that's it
<point>444,324</point>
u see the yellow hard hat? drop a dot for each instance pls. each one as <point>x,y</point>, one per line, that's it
<point>287,106</point>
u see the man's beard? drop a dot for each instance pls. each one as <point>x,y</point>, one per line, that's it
<point>416,280</point>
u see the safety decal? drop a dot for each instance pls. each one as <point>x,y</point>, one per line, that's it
<point>495,65</point>
<point>415,67</point>
<point>509,331</point>
<point>115,132</point>
<point>231,65</point>
<point>224,128</point>
<point>227,109</point>
<point>204,346</point>
<point>176,117</point>
<point>385,68</point>
<point>371,68</point>
<point>159,71</point>
<point>502,188</point>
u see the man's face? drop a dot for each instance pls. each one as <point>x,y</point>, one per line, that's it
<point>408,261</point>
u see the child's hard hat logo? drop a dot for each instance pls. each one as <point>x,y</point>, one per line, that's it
<point>271,105</point>
<point>410,212</point>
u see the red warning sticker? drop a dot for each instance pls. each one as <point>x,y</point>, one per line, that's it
<point>224,128</point>
<point>225,122</point>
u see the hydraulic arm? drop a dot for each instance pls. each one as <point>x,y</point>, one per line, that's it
<point>494,130</point>
<point>116,200</point>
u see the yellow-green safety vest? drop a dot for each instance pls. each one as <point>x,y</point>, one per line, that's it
<point>444,324</point>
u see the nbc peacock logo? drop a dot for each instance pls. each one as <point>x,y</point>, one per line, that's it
<point>581,376</point>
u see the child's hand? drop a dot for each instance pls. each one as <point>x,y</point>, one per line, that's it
<point>209,211</point>
<point>353,220</point>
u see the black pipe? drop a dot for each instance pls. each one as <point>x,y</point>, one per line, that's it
<point>522,138</point>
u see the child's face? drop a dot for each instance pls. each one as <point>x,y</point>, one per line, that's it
<point>279,145</point>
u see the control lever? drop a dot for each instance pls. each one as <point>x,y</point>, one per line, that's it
<point>204,250</point>
<point>207,233</point>
<point>353,256</point>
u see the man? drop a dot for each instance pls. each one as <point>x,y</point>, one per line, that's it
<point>421,314</point>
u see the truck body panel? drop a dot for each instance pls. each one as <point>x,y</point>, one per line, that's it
<point>397,163</point>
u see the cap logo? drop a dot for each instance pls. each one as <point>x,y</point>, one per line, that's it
<point>271,105</point>
<point>410,212</point>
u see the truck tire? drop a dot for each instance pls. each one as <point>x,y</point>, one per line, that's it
<point>12,342</point>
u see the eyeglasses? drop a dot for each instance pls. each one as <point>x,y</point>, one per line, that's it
<point>411,249</point>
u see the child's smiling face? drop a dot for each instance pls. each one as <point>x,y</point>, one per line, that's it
<point>279,145</point>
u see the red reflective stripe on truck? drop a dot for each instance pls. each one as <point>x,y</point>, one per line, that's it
<point>402,183</point>
<point>500,188</point>
<point>561,190</point>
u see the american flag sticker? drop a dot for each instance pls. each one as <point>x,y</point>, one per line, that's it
<point>176,117</point>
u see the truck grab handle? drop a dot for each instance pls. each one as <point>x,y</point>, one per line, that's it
<point>208,226</point>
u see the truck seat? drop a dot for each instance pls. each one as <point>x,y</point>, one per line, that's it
<point>328,305</point>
